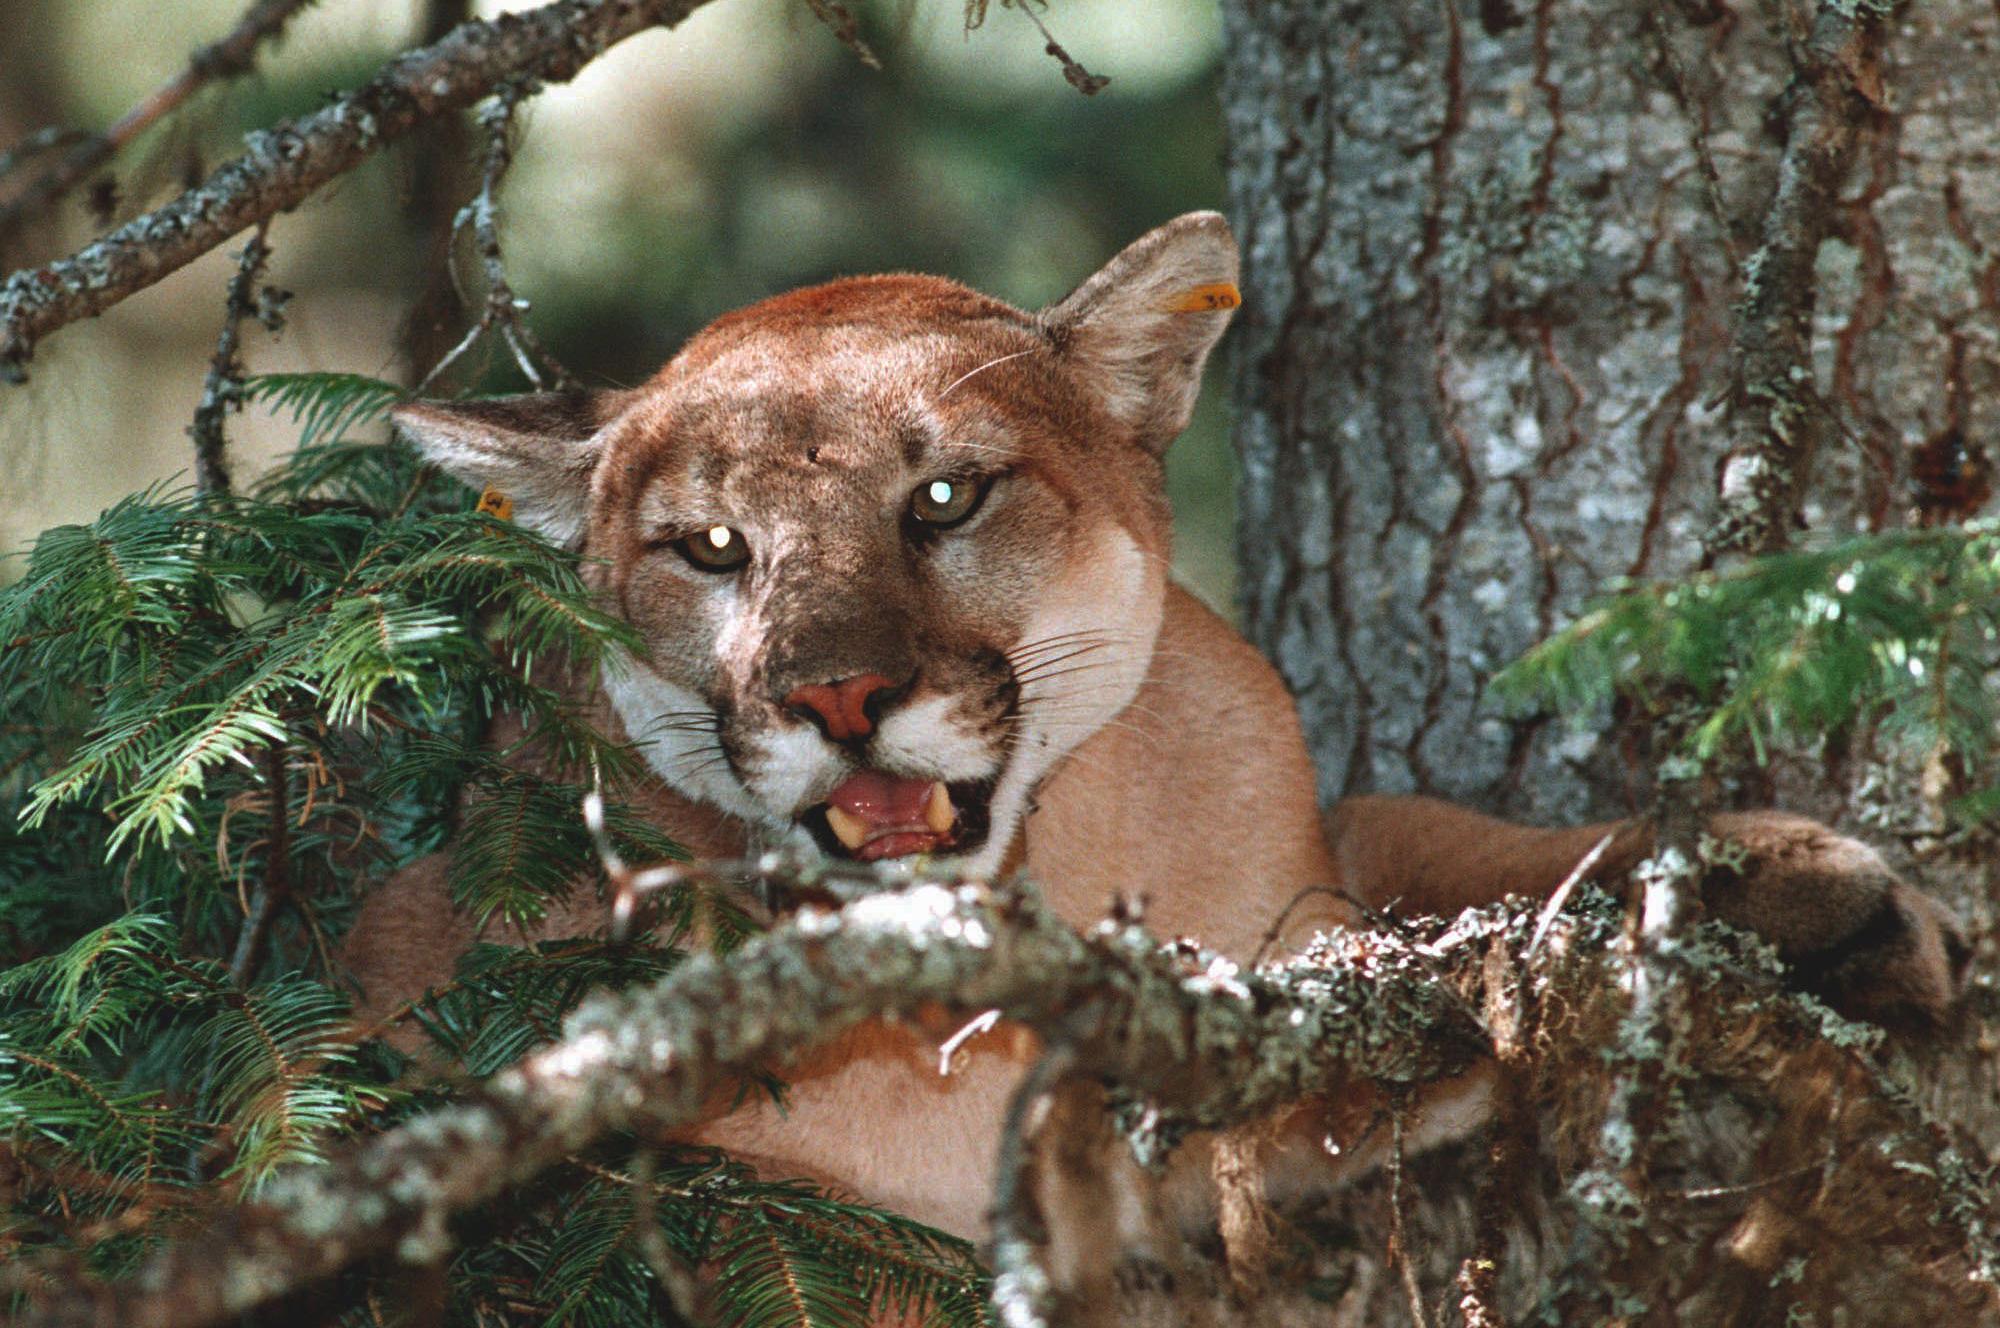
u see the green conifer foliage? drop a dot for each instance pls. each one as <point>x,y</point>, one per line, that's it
<point>1899,631</point>
<point>220,719</point>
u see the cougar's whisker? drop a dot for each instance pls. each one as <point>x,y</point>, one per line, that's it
<point>953,386</point>
<point>1047,675</point>
<point>1057,656</point>
<point>1029,649</point>
<point>1043,668</point>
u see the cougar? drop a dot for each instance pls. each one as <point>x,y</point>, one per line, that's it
<point>898,554</point>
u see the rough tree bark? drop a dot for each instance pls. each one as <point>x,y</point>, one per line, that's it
<point>1521,274</point>
<point>1540,294</point>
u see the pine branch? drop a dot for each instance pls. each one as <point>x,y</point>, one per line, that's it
<point>282,167</point>
<point>325,406</point>
<point>1900,630</point>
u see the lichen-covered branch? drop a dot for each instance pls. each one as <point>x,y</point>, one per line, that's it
<point>1183,1035</point>
<point>282,167</point>
<point>1780,419</point>
<point>222,390</point>
<point>230,57</point>
<point>1209,1045</point>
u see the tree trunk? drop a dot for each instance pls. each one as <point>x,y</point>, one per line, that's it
<point>1542,294</point>
<point>1497,327</point>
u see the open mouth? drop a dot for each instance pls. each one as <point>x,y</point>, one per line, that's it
<point>874,815</point>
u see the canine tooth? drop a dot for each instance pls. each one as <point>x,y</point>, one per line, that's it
<point>938,814</point>
<point>848,828</point>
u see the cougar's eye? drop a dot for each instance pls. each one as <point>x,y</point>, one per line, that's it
<point>717,549</point>
<point>942,504</point>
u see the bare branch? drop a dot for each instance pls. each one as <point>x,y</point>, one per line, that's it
<point>34,145</point>
<point>282,167</point>
<point>1074,73</point>
<point>1649,1052</point>
<point>846,29</point>
<point>504,309</point>
<point>1779,417</point>
<point>226,59</point>
<point>1022,1294</point>
<point>222,390</point>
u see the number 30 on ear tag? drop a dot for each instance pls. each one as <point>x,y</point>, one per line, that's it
<point>497,505</point>
<point>1211,298</point>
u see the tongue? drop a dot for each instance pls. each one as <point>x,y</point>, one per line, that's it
<point>881,799</point>
<point>881,816</point>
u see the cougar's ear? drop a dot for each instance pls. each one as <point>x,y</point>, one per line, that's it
<point>1140,330</point>
<point>537,450</point>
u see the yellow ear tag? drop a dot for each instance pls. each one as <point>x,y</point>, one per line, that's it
<point>1212,298</point>
<point>497,505</point>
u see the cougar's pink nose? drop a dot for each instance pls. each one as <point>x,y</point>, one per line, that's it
<point>839,708</point>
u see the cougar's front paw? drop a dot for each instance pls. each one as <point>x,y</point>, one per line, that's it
<point>1853,931</point>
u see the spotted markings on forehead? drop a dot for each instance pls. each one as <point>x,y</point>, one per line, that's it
<point>750,419</point>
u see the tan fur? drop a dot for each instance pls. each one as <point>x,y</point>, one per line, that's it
<point>1163,761</point>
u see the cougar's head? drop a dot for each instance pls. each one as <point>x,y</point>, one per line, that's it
<point>894,548</point>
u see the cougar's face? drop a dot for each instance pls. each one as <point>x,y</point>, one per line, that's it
<point>894,548</point>
<point>883,585</point>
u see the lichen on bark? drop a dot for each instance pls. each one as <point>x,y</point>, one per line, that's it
<point>1499,260</point>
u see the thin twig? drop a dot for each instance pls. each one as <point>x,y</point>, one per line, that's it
<point>846,29</point>
<point>1652,23</point>
<point>276,887</point>
<point>1074,74</point>
<point>1577,875</point>
<point>228,58</point>
<point>682,1293</point>
<point>36,144</point>
<point>283,167</point>
<point>1399,1236</point>
<point>985,1022</point>
<point>781,877</point>
<point>1276,930</point>
<point>222,390</point>
<point>503,309</point>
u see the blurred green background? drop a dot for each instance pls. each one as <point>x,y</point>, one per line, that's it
<point>684,174</point>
